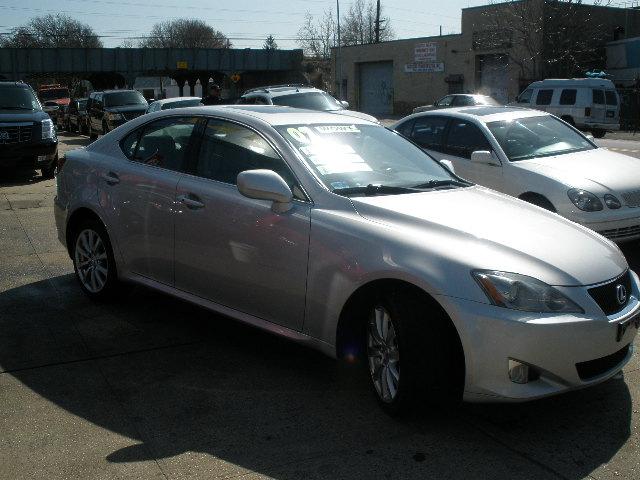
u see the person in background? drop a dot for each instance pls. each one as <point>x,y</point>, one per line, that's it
<point>214,96</point>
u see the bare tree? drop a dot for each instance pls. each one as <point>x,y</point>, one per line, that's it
<point>53,31</point>
<point>185,33</point>
<point>545,38</point>
<point>270,43</point>
<point>359,24</point>
<point>316,37</point>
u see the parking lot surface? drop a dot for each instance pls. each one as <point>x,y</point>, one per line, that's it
<point>152,387</point>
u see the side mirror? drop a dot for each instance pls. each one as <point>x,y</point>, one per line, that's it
<point>590,137</point>
<point>485,157</point>
<point>344,103</point>
<point>448,164</point>
<point>266,185</point>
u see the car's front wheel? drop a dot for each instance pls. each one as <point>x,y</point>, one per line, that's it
<point>93,260</point>
<point>598,133</point>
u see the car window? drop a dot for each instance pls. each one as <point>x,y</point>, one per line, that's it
<point>568,96</point>
<point>539,136</point>
<point>312,100</point>
<point>464,138</point>
<point>18,98</point>
<point>611,97</point>
<point>544,97</point>
<point>228,149</point>
<point>525,97</point>
<point>261,101</point>
<point>428,132</point>
<point>598,97</point>
<point>445,101</point>
<point>247,100</point>
<point>162,143</point>
<point>405,128</point>
<point>463,101</point>
<point>192,102</point>
<point>127,97</point>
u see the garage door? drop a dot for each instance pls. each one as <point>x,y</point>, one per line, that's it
<point>376,88</point>
<point>495,76</point>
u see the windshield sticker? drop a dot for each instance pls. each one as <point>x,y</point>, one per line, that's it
<point>343,168</point>
<point>337,129</point>
<point>299,134</point>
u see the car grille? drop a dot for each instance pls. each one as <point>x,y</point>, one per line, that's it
<point>632,199</point>
<point>12,134</point>
<point>594,368</point>
<point>606,296</point>
<point>131,115</point>
<point>618,233</point>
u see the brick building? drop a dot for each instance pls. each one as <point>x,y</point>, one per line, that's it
<point>501,48</point>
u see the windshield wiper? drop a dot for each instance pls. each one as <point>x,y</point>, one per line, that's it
<point>442,183</point>
<point>8,107</point>
<point>371,190</point>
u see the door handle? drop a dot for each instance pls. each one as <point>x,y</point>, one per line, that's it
<point>111,178</point>
<point>191,201</point>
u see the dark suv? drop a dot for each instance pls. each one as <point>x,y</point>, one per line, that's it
<point>111,108</point>
<point>27,134</point>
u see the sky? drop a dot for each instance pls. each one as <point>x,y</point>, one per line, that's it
<point>246,22</point>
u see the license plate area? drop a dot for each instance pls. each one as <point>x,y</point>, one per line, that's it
<point>626,324</point>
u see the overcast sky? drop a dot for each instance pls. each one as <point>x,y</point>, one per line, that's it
<point>246,22</point>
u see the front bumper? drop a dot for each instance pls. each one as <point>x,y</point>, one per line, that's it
<point>25,155</point>
<point>557,346</point>
<point>610,127</point>
<point>621,225</point>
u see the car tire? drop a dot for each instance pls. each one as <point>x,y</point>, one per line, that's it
<point>418,359</point>
<point>598,133</point>
<point>92,134</point>
<point>569,120</point>
<point>93,260</point>
<point>105,129</point>
<point>49,171</point>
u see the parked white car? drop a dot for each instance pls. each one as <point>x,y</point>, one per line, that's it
<point>590,104</point>
<point>338,233</point>
<point>538,158</point>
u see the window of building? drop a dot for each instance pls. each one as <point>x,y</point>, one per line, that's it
<point>544,97</point>
<point>568,96</point>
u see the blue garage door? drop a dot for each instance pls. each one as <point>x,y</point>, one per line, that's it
<point>376,88</point>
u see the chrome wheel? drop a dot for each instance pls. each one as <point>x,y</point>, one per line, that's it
<point>383,354</point>
<point>91,260</point>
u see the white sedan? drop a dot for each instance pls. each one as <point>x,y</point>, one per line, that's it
<point>538,158</point>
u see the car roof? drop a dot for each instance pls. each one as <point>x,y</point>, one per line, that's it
<point>14,84</point>
<point>175,99</point>
<point>279,90</point>
<point>483,113</point>
<point>272,114</point>
<point>577,82</point>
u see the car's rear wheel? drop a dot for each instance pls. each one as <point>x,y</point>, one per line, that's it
<point>49,171</point>
<point>598,133</point>
<point>93,260</point>
<point>413,353</point>
<point>92,135</point>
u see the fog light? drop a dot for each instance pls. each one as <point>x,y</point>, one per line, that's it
<point>518,372</point>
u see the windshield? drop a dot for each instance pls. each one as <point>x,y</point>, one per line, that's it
<point>346,157</point>
<point>18,98</point>
<point>54,93</point>
<point>124,98</point>
<point>181,103</point>
<point>312,100</point>
<point>533,137</point>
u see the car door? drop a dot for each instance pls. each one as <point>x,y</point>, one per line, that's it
<point>599,108</point>
<point>234,250</point>
<point>462,139</point>
<point>138,194</point>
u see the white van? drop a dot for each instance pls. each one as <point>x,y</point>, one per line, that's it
<point>590,104</point>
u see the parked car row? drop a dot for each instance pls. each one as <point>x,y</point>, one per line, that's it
<point>375,245</point>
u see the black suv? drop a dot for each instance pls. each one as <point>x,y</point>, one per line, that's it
<point>27,134</point>
<point>111,108</point>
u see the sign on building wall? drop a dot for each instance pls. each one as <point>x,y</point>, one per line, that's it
<point>424,67</point>
<point>425,52</point>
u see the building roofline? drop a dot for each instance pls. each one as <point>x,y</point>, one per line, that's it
<point>432,37</point>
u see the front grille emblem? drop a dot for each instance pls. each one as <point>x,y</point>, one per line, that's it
<point>4,136</point>
<point>621,294</point>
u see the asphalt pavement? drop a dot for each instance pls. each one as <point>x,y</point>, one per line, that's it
<point>149,387</point>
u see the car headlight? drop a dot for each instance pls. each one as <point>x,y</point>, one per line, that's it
<point>611,201</point>
<point>520,292</point>
<point>584,200</point>
<point>115,116</point>
<point>48,130</point>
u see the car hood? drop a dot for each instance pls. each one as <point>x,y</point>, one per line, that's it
<point>484,229</point>
<point>601,170</point>
<point>353,113</point>
<point>22,115</point>
<point>127,108</point>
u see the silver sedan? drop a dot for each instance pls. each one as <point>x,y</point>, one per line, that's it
<point>340,234</point>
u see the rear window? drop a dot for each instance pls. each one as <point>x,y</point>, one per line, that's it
<point>311,100</point>
<point>124,98</point>
<point>568,96</point>
<point>598,97</point>
<point>544,97</point>
<point>612,98</point>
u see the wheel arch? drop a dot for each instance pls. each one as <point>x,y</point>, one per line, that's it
<point>537,199</point>
<point>76,218</point>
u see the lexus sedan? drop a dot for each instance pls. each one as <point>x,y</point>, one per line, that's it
<point>175,102</point>
<point>538,158</point>
<point>458,100</point>
<point>342,235</point>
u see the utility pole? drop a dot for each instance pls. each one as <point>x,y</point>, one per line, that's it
<point>339,56</point>
<point>378,21</point>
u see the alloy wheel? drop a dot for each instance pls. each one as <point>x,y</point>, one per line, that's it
<point>383,354</point>
<point>91,260</point>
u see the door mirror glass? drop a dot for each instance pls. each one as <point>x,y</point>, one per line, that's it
<point>484,157</point>
<point>265,185</point>
<point>590,137</point>
<point>448,164</point>
<point>344,103</point>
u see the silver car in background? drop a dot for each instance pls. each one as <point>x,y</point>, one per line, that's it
<point>340,234</point>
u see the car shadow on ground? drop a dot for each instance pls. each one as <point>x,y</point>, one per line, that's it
<point>11,178</point>
<point>74,139</point>
<point>176,379</point>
